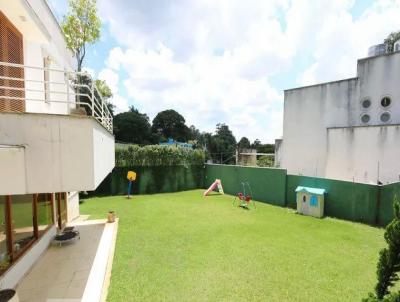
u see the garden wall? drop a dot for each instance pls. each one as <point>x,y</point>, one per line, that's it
<point>156,179</point>
<point>365,203</point>
<point>267,185</point>
<point>345,200</point>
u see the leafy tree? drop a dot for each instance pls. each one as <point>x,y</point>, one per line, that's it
<point>266,148</point>
<point>388,267</point>
<point>86,82</point>
<point>132,127</point>
<point>256,144</point>
<point>244,143</point>
<point>170,124</point>
<point>265,161</point>
<point>106,94</point>
<point>81,26</point>
<point>222,145</point>
<point>391,39</point>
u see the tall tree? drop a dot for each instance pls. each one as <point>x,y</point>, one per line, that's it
<point>81,26</point>
<point>170,124</point>
<point>244,143</point>
<point>223,145</point>
<point>132,127</point>
<point>256,144</point>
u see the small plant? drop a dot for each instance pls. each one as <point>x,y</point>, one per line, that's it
<point>388,267</point>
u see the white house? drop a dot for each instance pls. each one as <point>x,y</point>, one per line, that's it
<point>347,129</point>
<point>52,143</point>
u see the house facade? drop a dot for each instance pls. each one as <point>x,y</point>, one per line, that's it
<point>347,129</point>
<point>55,135</point>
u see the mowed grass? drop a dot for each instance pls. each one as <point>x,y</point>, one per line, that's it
<point>184,247</point>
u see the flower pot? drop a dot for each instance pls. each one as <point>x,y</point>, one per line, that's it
<point>8,295</point>
<point>111,216</point>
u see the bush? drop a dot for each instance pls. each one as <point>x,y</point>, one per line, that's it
<point>388,267</point>
<point>156,155</point>
<point>265,161</point>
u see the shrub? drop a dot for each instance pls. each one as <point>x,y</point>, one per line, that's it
<point>389,261</point>
<point>156,155</point>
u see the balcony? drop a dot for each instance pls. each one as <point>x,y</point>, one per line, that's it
<point>55,131</point>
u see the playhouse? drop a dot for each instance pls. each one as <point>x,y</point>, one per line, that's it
<point>310,201</point>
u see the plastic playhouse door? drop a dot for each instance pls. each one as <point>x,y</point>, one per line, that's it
<point>304,205</point>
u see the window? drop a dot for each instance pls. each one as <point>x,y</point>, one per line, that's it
<point>385,117</point>
<point>11,51</point>
<point>365,104</point>
<point>22,222</point>
<point>44,208</point>
<point>23,218</point>
<point>5,260</point>
<point>365,118</point>
<point>304,198</point>
<point>386,101</point>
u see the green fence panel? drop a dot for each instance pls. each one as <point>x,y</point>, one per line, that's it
<point>158,179</point>
<point>345,200</point>
<point>387,195</point>
<point>267,184</point>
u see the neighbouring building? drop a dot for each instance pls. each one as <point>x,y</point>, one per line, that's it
<point>52,143</point>
<point>347,129</point>
<point>246,157</point>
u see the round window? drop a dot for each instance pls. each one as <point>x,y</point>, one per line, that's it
<point>365,118</point>
<point>386,101</point>
<point>366,103</point>
<point>385,117</point>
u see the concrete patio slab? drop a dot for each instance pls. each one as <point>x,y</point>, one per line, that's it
<point>75,270</point>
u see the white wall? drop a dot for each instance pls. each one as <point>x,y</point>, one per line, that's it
<point>12,168</point>
<point>310,111</point>
<point>72,205</point>
<point>42,37</point>
<point>360,151</point>
<point>103,147</point>
<point>60,153</point>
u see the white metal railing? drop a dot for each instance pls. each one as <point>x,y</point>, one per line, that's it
<point>51,90</point>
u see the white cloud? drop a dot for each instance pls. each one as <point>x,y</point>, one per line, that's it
<point>213,60</point>
<point>342,40</point>
<point>112,80</point>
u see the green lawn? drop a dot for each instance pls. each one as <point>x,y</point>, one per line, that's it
<point>184,247</point>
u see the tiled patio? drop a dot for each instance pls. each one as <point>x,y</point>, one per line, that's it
<point>62,273</point>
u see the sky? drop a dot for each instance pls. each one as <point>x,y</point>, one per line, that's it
<point>229,61</point>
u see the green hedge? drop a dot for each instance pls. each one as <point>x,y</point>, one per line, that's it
<point>152,180</point>
<point>156,155</point>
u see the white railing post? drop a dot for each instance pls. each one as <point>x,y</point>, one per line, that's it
<point>102,111</point>
<point>92,98</point>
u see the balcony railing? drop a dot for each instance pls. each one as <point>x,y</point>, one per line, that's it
<point>50,90</point>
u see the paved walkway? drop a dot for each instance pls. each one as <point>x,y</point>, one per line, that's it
<point>62,273</point>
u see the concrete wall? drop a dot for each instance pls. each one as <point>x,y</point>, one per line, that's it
<point>363,152</point>
<point>12,172</point>
<point>267,184</point>
<point>310,111</point>
<point>72,206</point>
<point>62,153</point>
